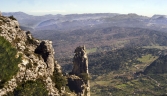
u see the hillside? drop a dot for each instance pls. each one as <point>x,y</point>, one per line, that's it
<point>115,73</point>
<point>157,67</point>
<point>102,39</point>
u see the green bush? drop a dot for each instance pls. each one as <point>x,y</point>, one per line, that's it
<point>84,76</point>
<point>8,61</point>
<point>31,88</point>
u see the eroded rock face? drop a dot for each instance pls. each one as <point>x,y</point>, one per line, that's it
<point>37,57</point>
<point>78,80</point>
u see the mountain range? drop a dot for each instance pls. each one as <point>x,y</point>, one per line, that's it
<point>78,21</point>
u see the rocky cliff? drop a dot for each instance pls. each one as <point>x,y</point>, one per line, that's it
<point>38,64</point>
<point>37,56</point>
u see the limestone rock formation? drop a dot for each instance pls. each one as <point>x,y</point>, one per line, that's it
<point>78,80</point>
<point>45,49</point>
<point>37,57</point>
<point>80,61</point>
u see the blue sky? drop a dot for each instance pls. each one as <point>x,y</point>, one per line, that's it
<point>40,7</point>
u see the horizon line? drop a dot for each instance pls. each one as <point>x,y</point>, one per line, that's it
<point>43,14</point>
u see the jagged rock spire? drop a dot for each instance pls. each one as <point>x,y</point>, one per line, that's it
<point>80,61</point>
<point>78,81</point>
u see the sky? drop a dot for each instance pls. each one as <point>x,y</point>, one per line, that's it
<point>41,7</point>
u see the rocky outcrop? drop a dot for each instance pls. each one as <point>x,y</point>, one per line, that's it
<point>37,57</point>
<point>46,50</point>
<point>78,80</point>
<point>80,61</point>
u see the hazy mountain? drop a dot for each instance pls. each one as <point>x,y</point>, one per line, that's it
<point>159,19</point>
<point>47,23</point>
<point>19,15</point>
<point>30,20</point>
<point>82,21</point>
<point>33,21</point>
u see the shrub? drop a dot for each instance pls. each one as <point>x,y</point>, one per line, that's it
<point>84,76</point>
<point>31,88</point>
